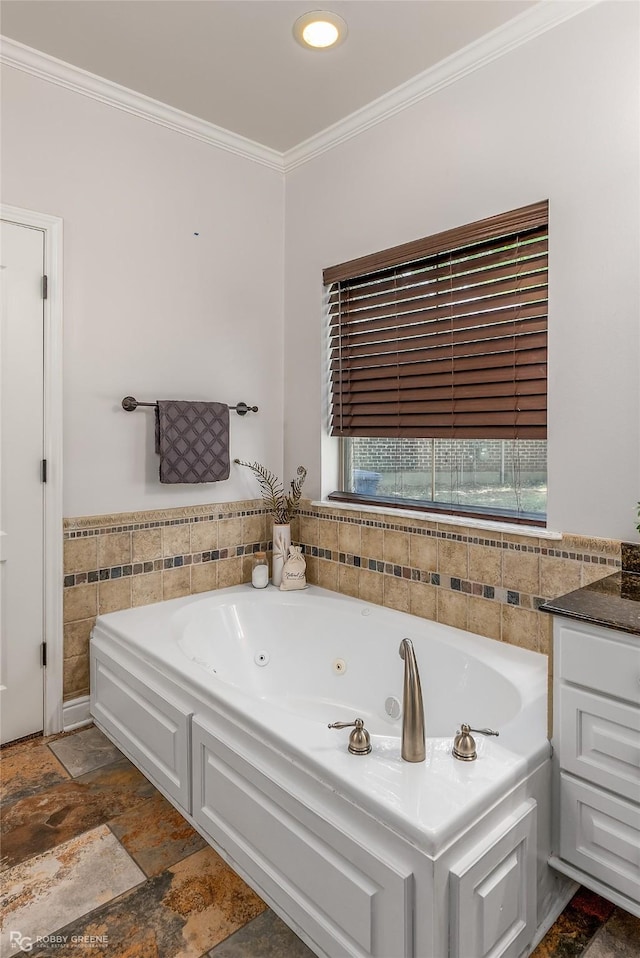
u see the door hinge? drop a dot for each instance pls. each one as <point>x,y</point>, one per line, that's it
<point>45,287</point>
<point>43,470</point>
<point>43,648</point>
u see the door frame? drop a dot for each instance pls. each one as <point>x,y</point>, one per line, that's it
<point>52,452</point>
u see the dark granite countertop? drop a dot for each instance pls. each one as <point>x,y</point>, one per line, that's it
<point>613,602</point>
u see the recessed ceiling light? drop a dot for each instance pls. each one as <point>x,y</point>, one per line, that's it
<point>320,30</point>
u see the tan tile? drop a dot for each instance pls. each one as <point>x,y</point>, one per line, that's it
<point>309,530</point>
<point>591,544</point>
<point>76,637</point>
<point>80,602</point>
<point>453,558</point>
<point>114,594</point>
<point>521,572</point>
<point>349,538</point>
<point>369,517</point>
<point>451,528</point>
<point>423,600</point>
<point>396,547</point>
<point>204,536</point>
<point>519,627</point>
<point>114,549</point>
<point>423,553</point>
<point>247,567</point>
<point>80,555</point>
<point>372,587</point>
<point>204,576</point>
<point>348,580</point>
<point>485,565</point>
<point>558,576</point>
<point>371,542</point>
<point>592,571</point>
<point>229,533</point>
<point>229,572</point>
<point>328,534</point>
<point>76,675</point>
<point>328,574</point>
<point>424,524</point>
<point>176,540</point>
<point>518,540</point>
<point>484,617</point>
<point>295,529</point>
<point>254,529</point>
<point>545,633</point>
<point>146,589</point>
<point>453,608</point>
<point>176,582</point>
<point>396,593</point>
<point>146,544</point>
<point>312,569</point>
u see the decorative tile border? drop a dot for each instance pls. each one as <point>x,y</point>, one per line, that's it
<point>135,521</point>
<point>427,577</point>
<point>602,551</point>
<point>159,565</point>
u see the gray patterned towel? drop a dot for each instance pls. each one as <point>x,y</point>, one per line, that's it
<point>192,439</point>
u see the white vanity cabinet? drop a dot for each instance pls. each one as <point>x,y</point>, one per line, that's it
<point>597,759</point>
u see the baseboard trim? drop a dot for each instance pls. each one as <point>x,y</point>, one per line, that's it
<point>75,713</point>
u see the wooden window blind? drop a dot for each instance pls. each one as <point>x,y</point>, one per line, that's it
<point>444,337</point>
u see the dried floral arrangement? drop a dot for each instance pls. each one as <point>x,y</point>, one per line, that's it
<point>282,507</point>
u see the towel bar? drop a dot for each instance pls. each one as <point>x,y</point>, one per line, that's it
<point>129,404</point>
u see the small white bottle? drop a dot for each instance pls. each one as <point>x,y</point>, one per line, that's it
<point>260,571</point>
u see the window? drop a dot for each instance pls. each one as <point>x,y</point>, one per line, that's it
<point>438,369</point>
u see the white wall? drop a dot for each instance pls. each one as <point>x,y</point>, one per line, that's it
<point>558,119</point>
<point>151,310</point>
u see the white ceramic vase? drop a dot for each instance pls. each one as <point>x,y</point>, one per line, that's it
<point>281,543</point>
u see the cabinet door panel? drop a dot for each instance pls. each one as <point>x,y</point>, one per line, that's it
<point>600,741</point>
<point>600,834</point>
<point>493,892</point>
<point>608,662</point>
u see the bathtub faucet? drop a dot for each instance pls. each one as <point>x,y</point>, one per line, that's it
<point>412,708</point>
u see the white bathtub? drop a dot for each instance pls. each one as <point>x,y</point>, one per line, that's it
<point>224,701</point>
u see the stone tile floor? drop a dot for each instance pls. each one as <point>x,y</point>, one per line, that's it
<point>97,863</point>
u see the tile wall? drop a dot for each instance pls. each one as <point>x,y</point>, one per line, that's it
<point>486,582</point>
<point>132,559</point>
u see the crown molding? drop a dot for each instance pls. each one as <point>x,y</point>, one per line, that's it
<point>41,65</point>
<point>544,16</point>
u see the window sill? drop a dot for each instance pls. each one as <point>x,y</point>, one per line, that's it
<point>511,528</point>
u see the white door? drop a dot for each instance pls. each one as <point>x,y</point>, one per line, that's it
<point>21,486</point>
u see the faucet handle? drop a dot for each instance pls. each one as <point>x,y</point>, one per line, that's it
<point>464,744</point>
<point>359,740</point>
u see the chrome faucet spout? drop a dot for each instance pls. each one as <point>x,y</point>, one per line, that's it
<point>413,749</point>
